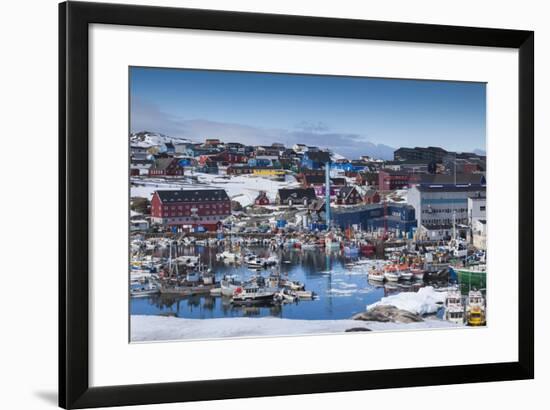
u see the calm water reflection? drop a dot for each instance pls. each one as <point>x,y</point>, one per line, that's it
<point>342,289</point>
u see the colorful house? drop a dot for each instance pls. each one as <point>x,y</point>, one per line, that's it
<point>205,208</point>
<point>315,159</point>
<point>349,195</point>
<point>166,167</point>
<point>296,196</point>
<point>262,199</point>
<point>371,197</point>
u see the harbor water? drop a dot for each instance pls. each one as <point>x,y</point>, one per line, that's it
<point>340,285</point>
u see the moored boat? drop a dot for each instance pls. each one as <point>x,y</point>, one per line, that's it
<point>391,273</point>
<point>473,276</point>
<point>454,308</point>
<point>475,309</point>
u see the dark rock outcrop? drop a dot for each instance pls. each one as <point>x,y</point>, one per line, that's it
<point>388,313</point>
<point>358,329</point>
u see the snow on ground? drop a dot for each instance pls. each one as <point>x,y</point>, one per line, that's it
<point>151,328</point>
<point>427,300</point>
<point>243,188</point>
<point>151,139</point>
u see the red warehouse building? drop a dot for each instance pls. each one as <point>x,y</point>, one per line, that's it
<point>389,180</point>
<point>204,207</point>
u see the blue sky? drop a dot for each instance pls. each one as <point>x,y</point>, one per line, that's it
<point>346,114</point>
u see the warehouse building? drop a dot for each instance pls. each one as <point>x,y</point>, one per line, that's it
<point>399,218</point>
<point>439,206</point>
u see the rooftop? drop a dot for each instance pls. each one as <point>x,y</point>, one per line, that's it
<point>199,195</point>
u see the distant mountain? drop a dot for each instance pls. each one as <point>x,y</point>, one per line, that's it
<point>479,151</point>
<point>378,151</point>
<point>148,139</point>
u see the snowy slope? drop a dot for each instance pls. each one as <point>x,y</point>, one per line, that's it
<point>148,139</point>
<point>243,189</point>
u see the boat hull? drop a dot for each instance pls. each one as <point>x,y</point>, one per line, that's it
<point>471,279</point>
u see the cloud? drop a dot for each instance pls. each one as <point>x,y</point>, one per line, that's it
<point>148,117</point>
<point>312,127</point>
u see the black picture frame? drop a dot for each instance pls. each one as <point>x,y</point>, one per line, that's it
<point>74,388</point>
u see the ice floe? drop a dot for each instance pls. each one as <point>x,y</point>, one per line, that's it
<point>426,301</point>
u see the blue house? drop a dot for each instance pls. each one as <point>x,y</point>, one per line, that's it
<point>399,217</point>
<point>315,159</point>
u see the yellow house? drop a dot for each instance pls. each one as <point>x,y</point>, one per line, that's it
<point>269,172</point>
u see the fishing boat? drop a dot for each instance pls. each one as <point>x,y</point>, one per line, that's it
<point>405,272</point>
<point>376,274</point>
<point>252,292</point>
<point>458,248</point>
<point>272,260</point>
<point>143,288</point>
<point>229,284</point>
<point>391,273</point>
<point>473,276</point>
<point>454,309</point>
<point>227,256</point>
<point>293,285</point>
<point>304,294</point>
<point>475,309</point>
<point>418,273</point>
<point>287,295</point>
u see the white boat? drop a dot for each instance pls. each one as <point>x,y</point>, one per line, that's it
<point>252,292</point>
<point>272,260</point>
<point>418,273</point>
<point>228,285</point>
<point>228,256</point>
<point>293,285</point>
<point>376,274</point>
<point>406,274</point>
<point>475,308</point>
<point>391,274</point>
<point>458,248</point>
<point>454,308</point>
<point>142,289</point>
<point>475,298</point>
<point>304,294</point>
<point>287,295</point>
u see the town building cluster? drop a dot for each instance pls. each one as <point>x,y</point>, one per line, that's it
<point>423,192</point>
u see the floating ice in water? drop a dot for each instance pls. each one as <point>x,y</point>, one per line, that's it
<point>347,285</point>
<point>427,300</point>
<point>341,292</point>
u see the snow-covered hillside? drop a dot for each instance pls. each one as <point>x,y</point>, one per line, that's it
<point>148,139</point>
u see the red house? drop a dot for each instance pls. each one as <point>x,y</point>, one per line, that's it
<point>166,167</point>
<point>203,207</point>
<point>225,157</point>
<point>371,197</point>
<point>262,199</point>
<point>349,195</point>
<point>389,180</point>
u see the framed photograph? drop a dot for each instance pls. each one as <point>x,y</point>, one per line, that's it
<point>259,205</point>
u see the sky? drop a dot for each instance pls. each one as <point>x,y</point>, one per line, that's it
<point>349,115</point>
